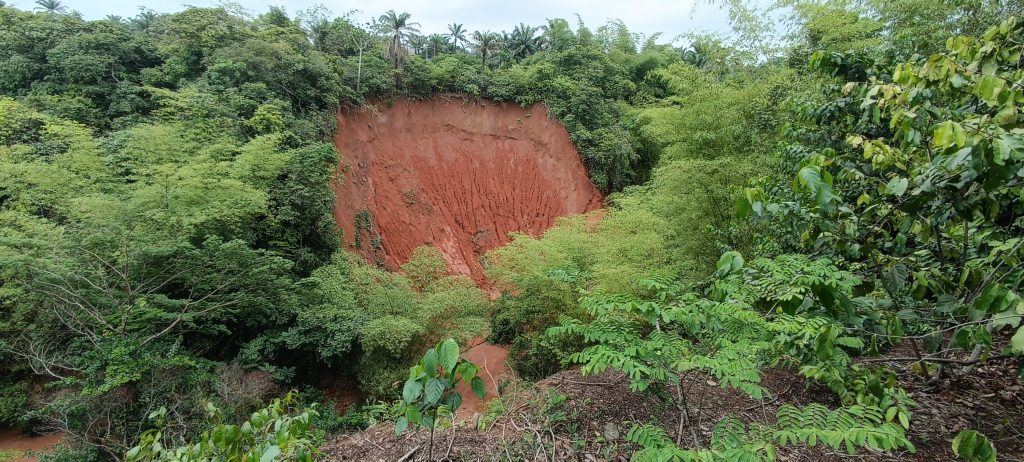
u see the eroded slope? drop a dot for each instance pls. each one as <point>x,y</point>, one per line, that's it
<point>459,175</point>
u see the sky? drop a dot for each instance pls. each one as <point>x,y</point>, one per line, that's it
<point>671,17</point>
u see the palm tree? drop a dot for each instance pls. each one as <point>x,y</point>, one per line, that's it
<point>114,18</point>
<point>696,55</point>
<point>524,41</point>
<point>437,44</point>
<point>418,44</point>
<point>486,44</point>
<point>51,6</point>
<point>399,29</point>
<point>457,34</point>
<point>144,19</point>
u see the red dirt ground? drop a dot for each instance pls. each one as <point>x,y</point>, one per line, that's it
<point>11,439</point>
<point>492,360</point>
<point>453,173</point>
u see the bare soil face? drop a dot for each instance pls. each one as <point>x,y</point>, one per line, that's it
<point>493,363</point>
<point>458,174</point>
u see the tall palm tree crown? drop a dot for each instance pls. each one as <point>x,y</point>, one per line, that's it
<point>399,30</point>
<point>524,41</point>
<point>457,34</point>
<point>437,44</point>
<point>51,6</point>
<point>486,44</point>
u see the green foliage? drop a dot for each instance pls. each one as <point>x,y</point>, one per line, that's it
<point>853,427</point>
<point>430,388</point>
<point>973,446</point>
<point>920,190</point>
<point>13,400</point>
<point>166,209</point>
<point>425,266</point>
<point>280,431</point>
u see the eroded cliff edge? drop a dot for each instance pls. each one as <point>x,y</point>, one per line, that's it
<point>453,173</point>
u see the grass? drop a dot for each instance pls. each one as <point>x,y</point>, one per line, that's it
<point>9,454</point>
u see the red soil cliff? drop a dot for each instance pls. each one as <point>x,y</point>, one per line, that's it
<point>456,174</point>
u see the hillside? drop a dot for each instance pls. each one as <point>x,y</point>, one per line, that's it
<point>305,235</point>
<point>456,174</point>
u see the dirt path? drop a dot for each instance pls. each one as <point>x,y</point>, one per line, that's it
<point>14,440</point>
<point>492,360</point>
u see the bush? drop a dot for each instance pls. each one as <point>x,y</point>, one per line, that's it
<point>13,401</point>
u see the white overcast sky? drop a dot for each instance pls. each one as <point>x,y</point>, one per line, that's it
<point>645,16</point>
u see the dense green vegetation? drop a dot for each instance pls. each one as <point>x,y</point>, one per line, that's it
<point>169,261</point>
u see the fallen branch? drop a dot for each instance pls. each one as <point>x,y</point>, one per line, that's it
<point>601,384</point>
<point>410,453</point>
<point>912,359</point>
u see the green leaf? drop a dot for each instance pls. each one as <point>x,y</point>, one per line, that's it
<point>1017,342</point>
<point>413,415</point>
<point>400,425</point>
<point>1007,147</point>
<point>453,401</point>
<point>819,183</point>
<point>729,262</point>
<point>270,454</point>
<point>477,385</point>
<point>743,208</point>
<point>995,298</point>
<point>949,133</point>
<point>435,388</point>
<point>448,354</point>
<point>988,88</point>
<point>974,446</point>
<point>412,390</point>
<point>469,371</point>
<point>430,363</point>
<point>897,186</point>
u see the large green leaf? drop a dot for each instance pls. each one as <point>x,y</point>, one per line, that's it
<point>729,263</point>
<point>974,446</point>
<point>988,88</point>
<point>413,415</point>
<point>819,183</point>
<point>996,298</point>
<point>270,454</point>
<point>430,363</point>
<point>400,425</point>
<point>1017,342</point>
<point>897,186</point>
<point>435,388</point>
<point>448,354</point>
<point>412,390</point>
<point>949,133</point>
<point>477,385</point>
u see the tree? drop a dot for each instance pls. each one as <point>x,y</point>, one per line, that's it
<point>486,44</point>
<point>457,35</point>
<point>524,41</point>
<point>51,6</point>
<point>145,19</point>
<point>431,388</point>
<point>436,44</point>
<point>281,431</point>
<point>399,30</point>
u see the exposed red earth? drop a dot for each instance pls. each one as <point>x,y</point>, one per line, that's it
<point>454,173</point>
<point>491,359</point>
<point>14,440</point>
<point>459,175</point>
